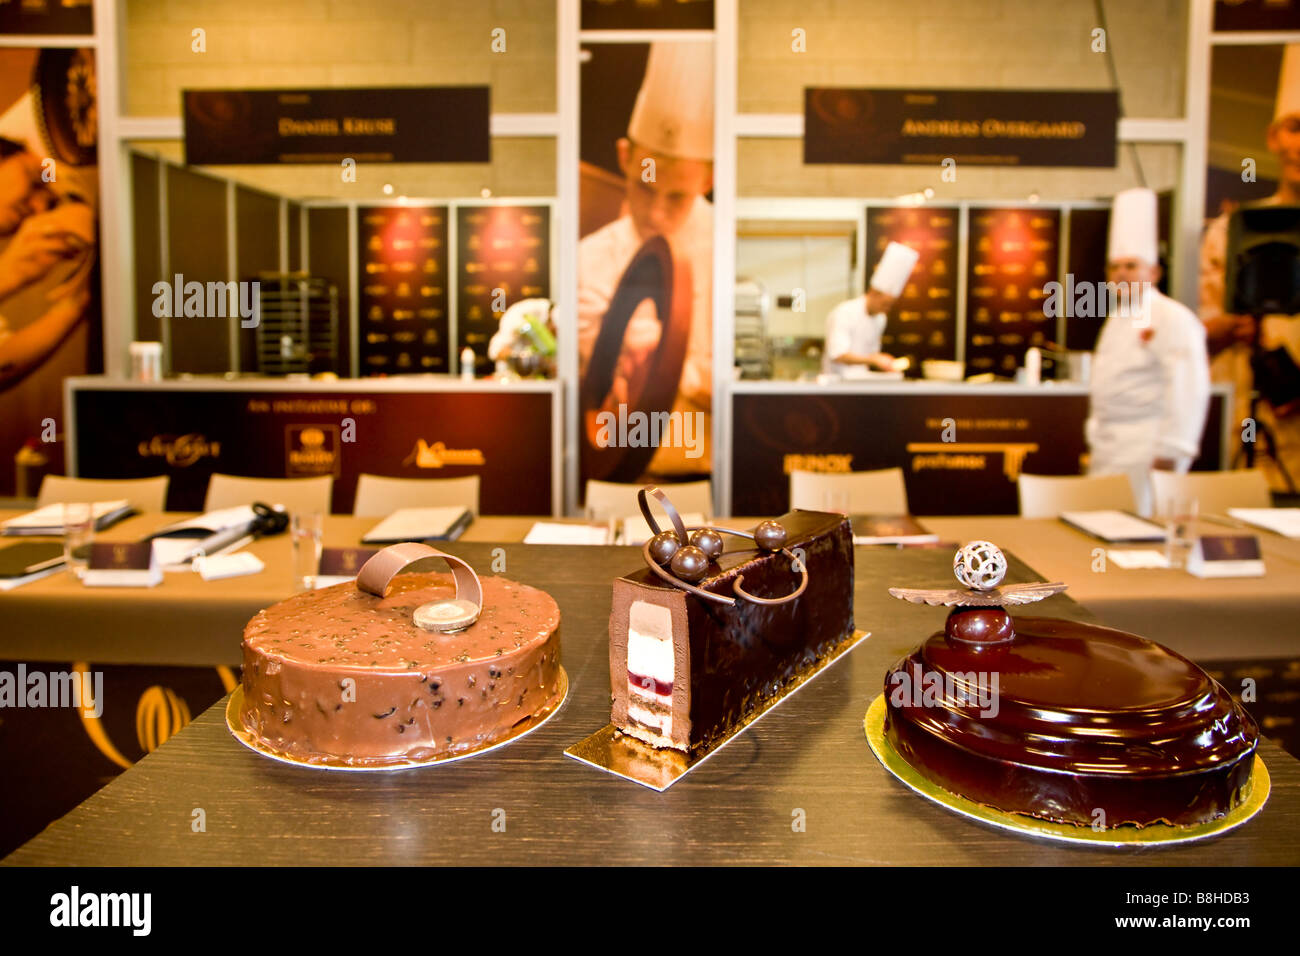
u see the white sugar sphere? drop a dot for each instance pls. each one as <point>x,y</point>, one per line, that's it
<point>980,565</point>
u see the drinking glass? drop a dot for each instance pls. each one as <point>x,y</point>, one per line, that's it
<point>78,533</point>
<point>306,533</point>
<point>1179,513</point>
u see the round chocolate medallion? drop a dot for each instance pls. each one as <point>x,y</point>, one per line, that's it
<point>451,614</point>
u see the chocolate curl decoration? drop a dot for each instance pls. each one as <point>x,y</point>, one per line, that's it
<point>683,536</point>
<point>377,574</point>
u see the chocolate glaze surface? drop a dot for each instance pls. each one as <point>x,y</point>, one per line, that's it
<point>739,657</point>
<point>338,676</point>
<point>1086,718</point>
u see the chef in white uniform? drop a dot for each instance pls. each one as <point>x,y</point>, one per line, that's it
<point>854,327</point>
<point>1150,380</point>
<point>667,162</point>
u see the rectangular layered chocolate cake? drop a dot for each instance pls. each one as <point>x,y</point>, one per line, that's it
<point>686,671</point>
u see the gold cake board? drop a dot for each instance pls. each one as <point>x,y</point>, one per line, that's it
<point>1153,834</point>
<point>659,769</point>
<point>521,729</point>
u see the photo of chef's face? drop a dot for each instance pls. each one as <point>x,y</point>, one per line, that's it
<point>1283,140</point>
<point>1254,126</point>
<point>21,191</point>
<point>660,204</point>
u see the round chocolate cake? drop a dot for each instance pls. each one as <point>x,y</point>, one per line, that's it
<point>1068,722</point>
<point>343,677</point>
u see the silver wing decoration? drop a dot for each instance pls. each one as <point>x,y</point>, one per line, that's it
<point>963,597</point>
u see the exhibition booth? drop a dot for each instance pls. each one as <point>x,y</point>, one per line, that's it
<point>769,345</point>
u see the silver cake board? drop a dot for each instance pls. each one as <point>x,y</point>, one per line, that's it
<point>659,769</point>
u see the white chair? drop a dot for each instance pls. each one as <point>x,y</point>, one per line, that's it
<point>145,494</point>
<point>298,495</point>
<point>378,496</point>
<point>1046,496</point>
<point>604,500</point>
<point>881,492</point>
<point>1213,491</point>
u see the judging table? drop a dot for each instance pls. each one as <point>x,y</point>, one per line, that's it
<point>808,755</point>
<point>188,621</point>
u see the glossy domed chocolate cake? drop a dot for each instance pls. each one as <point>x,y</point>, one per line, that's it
<point>345,677</point>
<point>1068,722</point>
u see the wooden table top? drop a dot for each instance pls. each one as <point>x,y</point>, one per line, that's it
<point>808,755</point>
<point>187,620</point>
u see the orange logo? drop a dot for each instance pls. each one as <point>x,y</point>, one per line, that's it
<point>179,451</point>
<point>439,455</point>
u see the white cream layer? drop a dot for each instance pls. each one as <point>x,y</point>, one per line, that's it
<point>650,642</point>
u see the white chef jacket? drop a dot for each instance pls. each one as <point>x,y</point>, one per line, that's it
<point>851,331</point>
<point>603,256</point>
<point>1150,392</point>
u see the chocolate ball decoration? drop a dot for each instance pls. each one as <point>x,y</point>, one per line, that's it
<point>690,563</point>
<point>770,535</point>
<point>663,546</point>
<point>708,541</point>
<point>980,565</point>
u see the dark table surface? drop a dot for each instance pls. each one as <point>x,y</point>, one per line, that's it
<point>808,755</point>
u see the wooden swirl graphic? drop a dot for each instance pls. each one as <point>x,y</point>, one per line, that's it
<point>93,725</point>
<point>159,713</point>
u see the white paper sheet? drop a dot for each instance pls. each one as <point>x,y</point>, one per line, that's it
<point>635,530</point>
<point>51,516</point>
<point>213,521</point>
<point>1114,525</point>
<point>414,524</point>
<point>555,532</point>
<point>170,553</point>
<point>228,565</point>
<point>8,584</point>
<point>1136,558</point>
<point>1283,521</point>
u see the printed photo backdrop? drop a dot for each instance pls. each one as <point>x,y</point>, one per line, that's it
<point>645,259</point>
<point>50,323</point>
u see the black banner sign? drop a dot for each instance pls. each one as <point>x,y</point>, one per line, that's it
<point>1247,15</point>
<point>403,302</point>
<point>1011,256</point>
<point>442,124</point>
<point>923,323</point>
<point>47,18</point>
<point>996,437</point>
<point>647,14</point>
<point>503,255</point>
<point>504,437</point>
<point>973,127</point>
